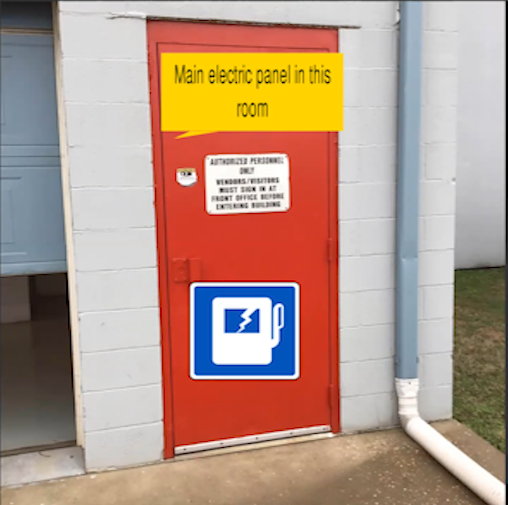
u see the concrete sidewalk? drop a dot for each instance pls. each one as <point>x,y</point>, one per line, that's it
<point>382,468</point>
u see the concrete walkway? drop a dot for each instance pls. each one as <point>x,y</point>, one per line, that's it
<point>382,468</point>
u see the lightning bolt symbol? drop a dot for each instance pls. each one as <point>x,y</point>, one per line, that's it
<point>246,319</point>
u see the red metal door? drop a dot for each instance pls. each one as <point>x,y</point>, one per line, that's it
<point>299,245</point>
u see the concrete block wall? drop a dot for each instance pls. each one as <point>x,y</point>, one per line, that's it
<point>367,171</point>
<point>437,208</point>
<point>105,85</point>
<point>105,88</point>
<point>367,167</point>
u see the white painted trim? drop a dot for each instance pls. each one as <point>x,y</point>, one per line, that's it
<point>69,238</point>
<point>250,439</point>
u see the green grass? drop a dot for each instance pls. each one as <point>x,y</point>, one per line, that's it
<point>479,361</point>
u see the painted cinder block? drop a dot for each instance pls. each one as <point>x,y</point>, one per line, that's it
<point>366,201</point>
<point>435,336</point>
<point>440,161</point>
<point>113,208</point>
<point>436,267</point>
<point>348,240</point>
<point>351,274</point>
<point>126,368</point>
<point>364,273</point>
<point>349,161</point>
<point>349,310</point>
<point>420,303</point>
<point>421,235</point>
<point>378,88</point>
<point>437,198</point>
<point>115,249</point>
<point>119,329</point>
<point>91,7</point>
<point>437,370</point>
<point>378,164</point>
<point>372,14</point>
<point>367,164</point>
<point>348,137</point>
<point>436,403</point>
<point>367,343</point>
<point>440,16</point>
<point>369,48</point>
<point>105,81</point>
<point>123,289</point>
<point>438,233</point>
<point>122,407</point>
<point>347,13</point>
<point>440,50</point>
<point>376,236</point>
<point>111,167</point>
<point>376,307</point>
<point>440,88</point>
<point>438,301</point>
<point>120,38</point>
<point>117,124</point>
<point>367,377</point>
<point>377,126</point>
<point>369,412</point>
<point>439,124</point>
<point>121,447</point>
<point>370,88</point>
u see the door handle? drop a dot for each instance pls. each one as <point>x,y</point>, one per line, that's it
<point>186,270</point>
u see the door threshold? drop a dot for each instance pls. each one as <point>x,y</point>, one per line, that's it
<point>245,443</point>
<point>41,466</point>
<point>255,446</point>
<point>38,448</point>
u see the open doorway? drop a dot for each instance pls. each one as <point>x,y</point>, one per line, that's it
<point>36,364</point>
<point>35,348</point>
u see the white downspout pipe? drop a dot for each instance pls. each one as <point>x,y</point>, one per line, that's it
<point>476,478</point>
<point>470,473</point>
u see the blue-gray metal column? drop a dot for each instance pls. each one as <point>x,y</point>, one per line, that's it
<point>408,177</point>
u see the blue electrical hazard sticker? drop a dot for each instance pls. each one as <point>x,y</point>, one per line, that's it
<point>244,330</point>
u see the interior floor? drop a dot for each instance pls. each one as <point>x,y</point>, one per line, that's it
<point>43,465</point>
<point>36,379</point>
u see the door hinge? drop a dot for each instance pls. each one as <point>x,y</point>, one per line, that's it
<point>186,269</point>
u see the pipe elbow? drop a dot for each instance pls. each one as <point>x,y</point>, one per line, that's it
<point>481,482</point>
<point>407,394</point>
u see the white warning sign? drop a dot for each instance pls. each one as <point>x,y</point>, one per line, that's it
<point>247,183</point>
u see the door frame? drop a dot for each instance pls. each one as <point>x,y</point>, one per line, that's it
<point>54,33</point>
<point>153,40</point>
<point>69,239</point>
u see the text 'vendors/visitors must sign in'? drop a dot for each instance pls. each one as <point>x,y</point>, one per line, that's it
<point>247,183</point>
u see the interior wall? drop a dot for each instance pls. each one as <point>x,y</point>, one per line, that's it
<point>14,299</point>
<point>51,285</point>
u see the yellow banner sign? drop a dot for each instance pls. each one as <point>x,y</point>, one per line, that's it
<point>207,92</point>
